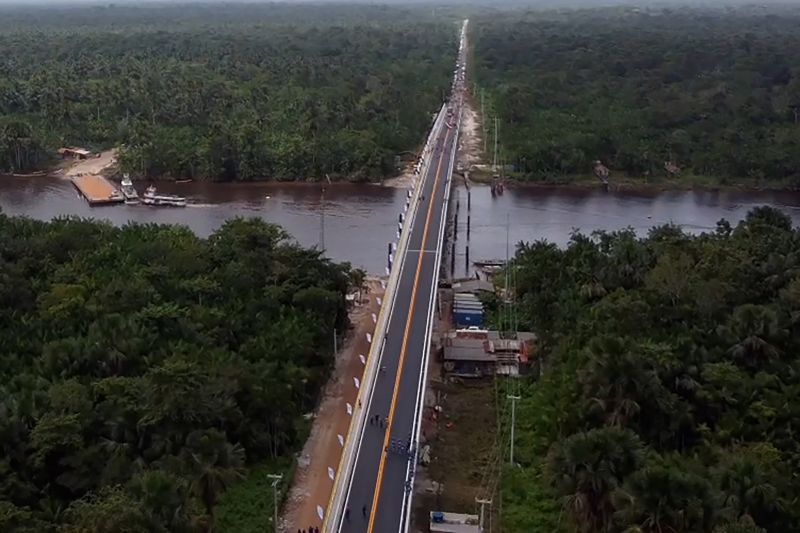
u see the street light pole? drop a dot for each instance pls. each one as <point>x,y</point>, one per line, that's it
<point>276,478</point>
<point>483,503</point>
<point>513,421</point>
<point>322,222</point>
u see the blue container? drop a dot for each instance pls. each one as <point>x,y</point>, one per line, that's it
<point>465,306</point>
<point>468,318</point>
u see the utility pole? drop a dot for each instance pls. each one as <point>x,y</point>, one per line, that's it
<point>276,478</point>
<point>483,122</point>
<point>483,504</point>
<point>494,165</point>
<point>513,421</point>
<point>322,217</point>
<point>335,343</point>
<point>505,317</point>
<point>322,222</point>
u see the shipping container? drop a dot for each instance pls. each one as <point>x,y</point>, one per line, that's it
<point>467,319</point>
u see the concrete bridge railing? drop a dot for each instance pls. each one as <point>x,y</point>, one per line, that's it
<point>344,472</point>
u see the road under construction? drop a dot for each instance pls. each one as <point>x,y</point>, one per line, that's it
<point>373,487</point>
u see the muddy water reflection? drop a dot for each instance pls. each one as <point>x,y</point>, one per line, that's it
<point>552,214</point>
<point>361,219</point>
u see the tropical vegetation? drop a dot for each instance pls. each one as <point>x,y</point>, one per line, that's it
<point>670,382</point>
<point>144,371</point>
<point>235,91</point>
<point>686,93</point>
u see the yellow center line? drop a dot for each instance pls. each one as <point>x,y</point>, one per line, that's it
<point>379,483</point>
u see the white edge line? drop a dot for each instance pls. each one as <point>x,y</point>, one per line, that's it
<point>338,516</point>
<point>405,522</point>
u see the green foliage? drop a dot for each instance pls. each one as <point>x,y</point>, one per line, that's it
<point>223,92</point>
<point>247,507</point>
<point>715,91</point>
<point>670,388</point>
<point>144,368</point>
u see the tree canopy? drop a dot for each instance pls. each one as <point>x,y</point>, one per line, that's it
<point>710,91</point>
<point>223,92</point>
<point>670,385</point>
<point>143,370</point>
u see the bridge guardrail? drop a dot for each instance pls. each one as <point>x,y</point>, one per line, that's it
<point>332,515</point>
<point>408,495</point>
<point>419,406</point>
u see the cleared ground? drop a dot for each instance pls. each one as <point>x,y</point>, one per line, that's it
<point>463,451</point>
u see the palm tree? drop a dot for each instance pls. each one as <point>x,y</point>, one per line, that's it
<point>586,468</point>
<point>753,330</point>
<point>663,499</point>
<point>744,525</point>
<point>215,463</point>
<point>163,497</point>
<point>620,382</point>
<point>748,489</point>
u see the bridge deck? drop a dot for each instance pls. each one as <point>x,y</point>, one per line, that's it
<point>379,477</point>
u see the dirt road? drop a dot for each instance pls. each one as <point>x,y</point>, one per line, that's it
<point>312,484</point>
<point>93,165</point>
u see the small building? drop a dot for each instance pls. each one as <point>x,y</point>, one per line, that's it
<point>74,153</point>
<point>488,269</point>
<point>478,353</point>
<point>473,286</point>
<point>441,522</point>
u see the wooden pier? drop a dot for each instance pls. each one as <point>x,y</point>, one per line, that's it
<point>97,190</point>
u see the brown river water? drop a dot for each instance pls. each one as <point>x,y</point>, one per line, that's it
<point>361,219</point>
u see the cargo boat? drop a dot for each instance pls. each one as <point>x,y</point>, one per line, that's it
<point>151,197</point>
<point>128,191</point>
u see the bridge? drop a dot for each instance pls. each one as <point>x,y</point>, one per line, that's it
<point>373,487</point>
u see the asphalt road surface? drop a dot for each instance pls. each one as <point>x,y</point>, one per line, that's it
<point>375,494</point>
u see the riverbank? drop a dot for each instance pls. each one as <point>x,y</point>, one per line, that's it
<point>688,182</point>
<point>106,164</point>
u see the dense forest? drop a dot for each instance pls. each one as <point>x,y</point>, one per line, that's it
<point>237,91</point>
<point>670,388</point>
<point>688,93</point>
<point>144,370</point>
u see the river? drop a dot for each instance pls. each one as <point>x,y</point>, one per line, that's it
<point>361,219</point>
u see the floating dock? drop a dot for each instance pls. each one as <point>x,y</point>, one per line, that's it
<point>97,190</point>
